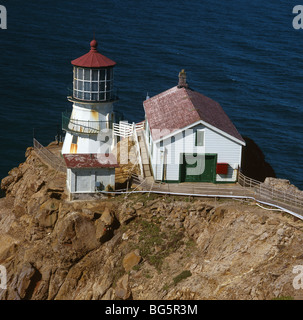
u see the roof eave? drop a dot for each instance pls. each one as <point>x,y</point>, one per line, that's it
<point>227,135</point>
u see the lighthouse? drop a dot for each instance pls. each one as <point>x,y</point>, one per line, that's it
<point>89,141</point>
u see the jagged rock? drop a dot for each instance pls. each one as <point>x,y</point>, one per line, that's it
<point>122,290</point>
<point>14,176</point>
<point>131,260</point>
<point>74,236</point>
<point>48,213</point>
<point>8,246</point>
<point>110,293</point>
<point>6,182</point>
<point>101,230</point>
<point>27,278</point>
<point>56,185</point>
<point>126,215</point>
<point>107,217</point>
<point>282,185</point>
<point>103,283</point>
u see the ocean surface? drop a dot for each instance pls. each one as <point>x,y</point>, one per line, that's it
<point>244,54</point>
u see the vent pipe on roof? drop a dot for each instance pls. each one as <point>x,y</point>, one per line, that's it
<point>182,79</point>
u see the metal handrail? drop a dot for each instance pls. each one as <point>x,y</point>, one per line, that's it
<point>49,157</point>
<point>272,193</point>
<point>84,126</point>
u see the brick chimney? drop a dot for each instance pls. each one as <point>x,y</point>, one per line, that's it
<point>182,79</point>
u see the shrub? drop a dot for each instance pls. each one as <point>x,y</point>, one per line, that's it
<point>183,275</point>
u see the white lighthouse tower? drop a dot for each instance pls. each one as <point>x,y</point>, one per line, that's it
<point>88,143</point>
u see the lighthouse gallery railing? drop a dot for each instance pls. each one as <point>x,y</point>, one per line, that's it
<point>84,126</point>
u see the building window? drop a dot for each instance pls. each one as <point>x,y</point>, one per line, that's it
<point>93,84</point>
<point>75,140</point>
<point>199,138</point>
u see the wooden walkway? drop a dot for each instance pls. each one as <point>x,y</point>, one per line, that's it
<point>144,156</point>
<point>201,188</point>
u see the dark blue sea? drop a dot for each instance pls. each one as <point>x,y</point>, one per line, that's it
<point>244,54</point>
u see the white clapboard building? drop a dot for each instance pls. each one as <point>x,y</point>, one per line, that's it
<point>190,138</point>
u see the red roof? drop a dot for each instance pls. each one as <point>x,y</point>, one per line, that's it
<point>93,59</point>
<point>178,108</point>
<point>95,160</point>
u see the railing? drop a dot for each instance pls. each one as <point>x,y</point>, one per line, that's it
<point>49,157</point>
<point>84,126</point>
<point>123,129</point>
<point>288,200</point>
<point>138,149</point>
<point>140,125</point>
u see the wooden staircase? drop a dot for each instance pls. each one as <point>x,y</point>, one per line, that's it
<point>144,155</point>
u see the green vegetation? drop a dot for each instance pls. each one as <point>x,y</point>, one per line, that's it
<point>155,245</point>
<point>183,275</point>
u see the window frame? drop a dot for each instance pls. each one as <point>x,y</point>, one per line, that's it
<point>200,131</point>
<point>85,79</point>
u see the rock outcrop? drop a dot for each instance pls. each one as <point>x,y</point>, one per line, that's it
<point>283,185</point>
<point>143,247</point>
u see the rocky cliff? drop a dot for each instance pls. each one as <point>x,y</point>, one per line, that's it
<point>140,247</point>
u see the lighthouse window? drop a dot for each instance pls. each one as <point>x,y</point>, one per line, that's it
<point>102,86</point>
<point>80,95</point>
<point>102,74</point>
<point>87,74</point>
<point>80,73</point>
<point>93,84</point>
<point>95,74</point>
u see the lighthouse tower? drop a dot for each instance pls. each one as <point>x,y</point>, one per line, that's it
<point>88,143</point>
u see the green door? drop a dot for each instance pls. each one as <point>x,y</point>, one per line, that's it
<point>191,170</point>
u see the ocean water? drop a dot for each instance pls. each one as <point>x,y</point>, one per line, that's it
<point>245,55</point>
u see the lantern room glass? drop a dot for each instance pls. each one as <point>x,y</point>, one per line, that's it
<point>93,84</point>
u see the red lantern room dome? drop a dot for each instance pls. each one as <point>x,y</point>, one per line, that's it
<point>93,59</point>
